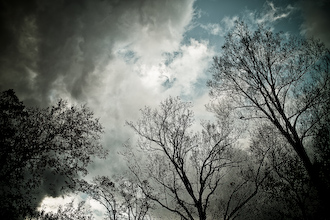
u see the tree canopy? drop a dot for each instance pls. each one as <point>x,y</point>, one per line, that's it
<point>184,171</point>
<point>39,145</point>
<point>281,79</point>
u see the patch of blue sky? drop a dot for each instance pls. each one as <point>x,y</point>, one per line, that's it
<point>170,57</point>
<point>200,86</point>
<point>129,56</point>
<point>212,20</point>
<point>168,83</point>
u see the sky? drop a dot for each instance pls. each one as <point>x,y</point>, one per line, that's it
<point>119,56</point>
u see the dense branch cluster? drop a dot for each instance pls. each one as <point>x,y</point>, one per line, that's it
<point>185,169</point>
<point>282,80</point>
<point>38,143</point>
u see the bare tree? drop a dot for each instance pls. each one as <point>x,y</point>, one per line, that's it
<point>284,80</point>
<point>243,186</point>
<point>181,170</point>
<point>287,186</point>
<point>122,198</point>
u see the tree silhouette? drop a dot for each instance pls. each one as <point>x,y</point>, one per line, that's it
<point>287,187</point>
<point>41,143</point>
<point>281,79</point>
<point>121,197</point>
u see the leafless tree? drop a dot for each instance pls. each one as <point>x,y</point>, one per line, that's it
<point>287,186</point>
<point>282,79</point>
<point>121,198</point>
<point>243,186</point>
<point>181,170</point>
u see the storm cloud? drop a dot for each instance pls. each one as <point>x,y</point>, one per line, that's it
<point>56,48</point>
<point>116,56</point>
<point>317,20</point>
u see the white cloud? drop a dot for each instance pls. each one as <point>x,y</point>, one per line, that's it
<point>156,27</point>
<point>268,16</point>
<point>190,65</point>
<point>51,205</point>
<point>272,13</point>
<point>229,22</point>
<point>212,28</point>
<point>222,28</point>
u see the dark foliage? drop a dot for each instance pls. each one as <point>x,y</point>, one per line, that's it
<point>43,151</point>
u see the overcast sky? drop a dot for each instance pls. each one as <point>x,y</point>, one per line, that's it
<point>118,56</point>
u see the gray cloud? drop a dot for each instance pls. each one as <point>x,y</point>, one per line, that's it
<point>317,20</point>
<point>63,45</point>
<point>69,49</point>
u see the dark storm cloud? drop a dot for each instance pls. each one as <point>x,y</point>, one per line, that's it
<point>70,43</point>
<point>48,45</point>
<point>39,43</point>
<point>317,19</point>
<point>16,16</point>
<point>54,40</point>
